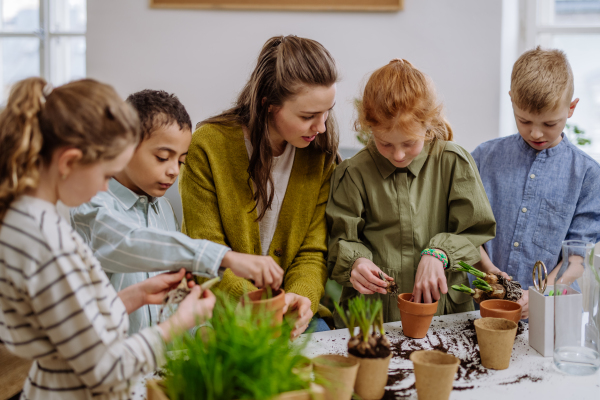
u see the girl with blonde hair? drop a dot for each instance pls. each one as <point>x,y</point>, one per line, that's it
<point>57,306</point>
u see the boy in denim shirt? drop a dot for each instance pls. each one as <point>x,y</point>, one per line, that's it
<point>542,188</point>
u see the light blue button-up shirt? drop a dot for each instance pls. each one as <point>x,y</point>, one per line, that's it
<point>539,199</point>
<point>136,237</point>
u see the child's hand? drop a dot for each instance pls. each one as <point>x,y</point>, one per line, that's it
<point>524,302</point>
<point>193,310</point>
<point>263,270</point>
<point>156,288</point>
<point>299,306</point>
<point>430,280</point>
<point>365,277</point>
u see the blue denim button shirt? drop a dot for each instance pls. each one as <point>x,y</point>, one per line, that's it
<point>539,199</point>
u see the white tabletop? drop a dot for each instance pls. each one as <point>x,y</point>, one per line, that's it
<point>529,374</point>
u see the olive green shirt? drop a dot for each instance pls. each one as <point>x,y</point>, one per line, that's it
<point>389,215</point>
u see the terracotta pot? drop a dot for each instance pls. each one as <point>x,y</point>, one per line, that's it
<point>371,377</point>
<point>260,302</point>
<point>496,337</point>
<point>338,373</point>
<point>434,374</point>
<point>501,309</point>
<point>316,392</point>
<point>416,317</point>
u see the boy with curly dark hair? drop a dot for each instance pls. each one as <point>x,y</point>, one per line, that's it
<point>132,228</point>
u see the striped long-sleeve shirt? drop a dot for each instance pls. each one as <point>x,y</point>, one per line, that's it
<point>135,237</point>
<point>58,308</point>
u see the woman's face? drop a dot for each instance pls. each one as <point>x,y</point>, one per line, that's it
<point>300,119</point>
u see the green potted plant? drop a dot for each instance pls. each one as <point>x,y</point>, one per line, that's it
<point>241,357</point>
<point>370,347</point>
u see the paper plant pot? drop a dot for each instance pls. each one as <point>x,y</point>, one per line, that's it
<point>501,309</point>
<point>338,374</point>
<point>274,304</point>
<point>155,390</point>
<point>371,377</point>
<point>416,317</point>
<point>496,337</point>
<point>434,374</point>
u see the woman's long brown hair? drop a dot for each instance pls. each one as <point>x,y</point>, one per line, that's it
<point>285,64</point>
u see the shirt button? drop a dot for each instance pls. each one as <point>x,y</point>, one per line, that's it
<point>516,244</point>
<point>524,209</point>
<point>143,199</point>
<point>532,176</point>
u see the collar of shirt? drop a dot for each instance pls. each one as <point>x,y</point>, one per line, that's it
<point>127,197</point>
<point>561,146</point>
<point>386,168</point>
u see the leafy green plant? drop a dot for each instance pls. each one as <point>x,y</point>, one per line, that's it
<point>243,357</point>
<point>577,135</point>
<point>367,315</point>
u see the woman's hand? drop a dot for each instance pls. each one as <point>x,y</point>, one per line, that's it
<point>192,311</point>
<point>152,290</point>
<point>297,310</point>
<point>430,280</point>
<point>263,270</point>
<point>365,277</point>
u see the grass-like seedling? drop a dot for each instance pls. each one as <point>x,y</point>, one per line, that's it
<point>367,315</point>
<point>242,357</point>
<point>488,286</point>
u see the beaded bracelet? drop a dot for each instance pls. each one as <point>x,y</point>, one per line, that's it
<point>440,255</point>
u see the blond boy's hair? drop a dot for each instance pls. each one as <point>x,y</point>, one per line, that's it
<point>541,80</point>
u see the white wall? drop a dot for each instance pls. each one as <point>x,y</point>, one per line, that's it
<point>205,57</point>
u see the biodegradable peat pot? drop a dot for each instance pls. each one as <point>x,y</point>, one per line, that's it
<point>371,377</point>
<point>501,309</point>
<point>259,301</point>
<point>156,391</point>
<point>416,317</point>
<point>434,374</point>
<point>339,373</point>
<point>496,337</point>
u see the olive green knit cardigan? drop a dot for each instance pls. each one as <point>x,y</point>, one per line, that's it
<point>217,205</point>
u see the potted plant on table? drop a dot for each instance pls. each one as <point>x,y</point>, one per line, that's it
<point>241,357</point>
<point>370,346</point>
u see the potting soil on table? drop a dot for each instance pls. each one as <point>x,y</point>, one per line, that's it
<point>458,339</point>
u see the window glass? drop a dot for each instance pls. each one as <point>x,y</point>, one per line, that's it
<point>19,15</point>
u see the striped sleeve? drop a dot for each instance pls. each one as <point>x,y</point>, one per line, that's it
<point>85,321</point>
<point>123,246</point>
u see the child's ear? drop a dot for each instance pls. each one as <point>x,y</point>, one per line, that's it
<point>572,107</point>
<point>67,159</point>
<point>510,95</point>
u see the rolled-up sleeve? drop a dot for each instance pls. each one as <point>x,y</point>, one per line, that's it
<point>123,246</point>
<point>471,221</point>
<point>345,219</point>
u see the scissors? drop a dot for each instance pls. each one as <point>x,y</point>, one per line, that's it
<point>540,276</point>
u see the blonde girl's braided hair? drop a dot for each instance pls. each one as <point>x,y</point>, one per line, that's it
<point>85,114</point>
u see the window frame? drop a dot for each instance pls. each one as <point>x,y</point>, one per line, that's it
<point>45,36</point>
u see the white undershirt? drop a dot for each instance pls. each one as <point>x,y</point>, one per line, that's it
<point>280,171</point>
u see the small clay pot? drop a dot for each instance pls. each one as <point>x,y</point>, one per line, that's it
<point>496,337</point>
<point>338,373</point>
<point>371,377</point>
<point>260,303</point>
<point>501,309</point>
<point>416,317</point>
<point>434,374</point>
